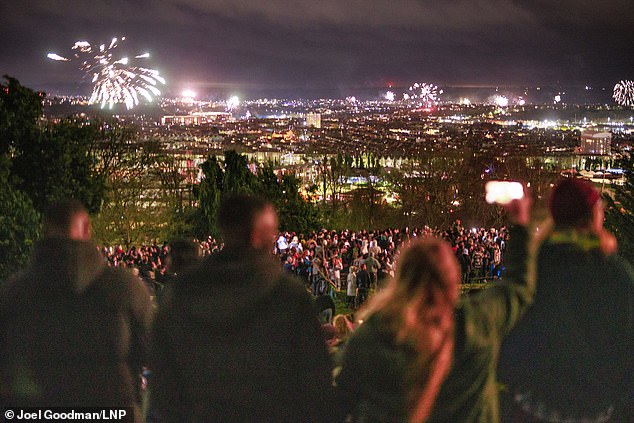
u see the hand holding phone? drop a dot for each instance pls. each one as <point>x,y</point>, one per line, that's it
<point>503,192</point>
<point>511,196</point>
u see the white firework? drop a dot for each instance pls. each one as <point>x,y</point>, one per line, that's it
<point>624,93</point>
<point>501,101</point>
<point>115,79</point>
<point>232,102</point>
<point>423,93</point>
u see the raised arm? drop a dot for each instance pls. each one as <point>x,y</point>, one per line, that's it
<point>500,308</point>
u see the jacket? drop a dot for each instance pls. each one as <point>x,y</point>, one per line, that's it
<point>237,340</point>
<point>574,352</point>
<point>73,332</point>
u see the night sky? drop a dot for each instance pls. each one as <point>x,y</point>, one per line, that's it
<point>316,44</point>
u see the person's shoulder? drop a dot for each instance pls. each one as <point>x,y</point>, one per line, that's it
<point>371,336</point>
<point>118,276</point>
<point>205,269</point>
<point>13,286</point>
<point>122,283</point>
<point>291,286</point>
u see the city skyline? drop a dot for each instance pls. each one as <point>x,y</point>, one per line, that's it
<point>328,45</point>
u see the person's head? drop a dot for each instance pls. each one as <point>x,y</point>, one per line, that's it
<point>576,204</point>
<point>426,285</point>
<point>342,326</point>
<point>182,254</point>
<point>429,268</point>
<point>67,219</point>
<point>247,221</point>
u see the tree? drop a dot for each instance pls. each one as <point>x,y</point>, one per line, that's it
<point>208,193</point>
<point>142,193</point>
<point>234,175</point>
<point>619,213</point>
<point>40,163</point>
<point>295,213</point>
<point>48,161</point>
<point>20,108</point>
<point>19,225</point>
<point>238,178</point>
<point>57,163</point>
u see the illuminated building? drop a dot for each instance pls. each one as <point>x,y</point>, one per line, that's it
<point>595,143</point>
<point>197,118</point>
<point>313,120</point>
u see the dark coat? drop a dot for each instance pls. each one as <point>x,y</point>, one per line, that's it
<point>73,332</point>
<point>236,340</point>
<point>574,351</point>
<point>363,280</point>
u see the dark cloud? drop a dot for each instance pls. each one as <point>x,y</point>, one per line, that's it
<point>287,43</point>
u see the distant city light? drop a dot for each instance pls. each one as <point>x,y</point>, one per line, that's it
<point>390,96</point>
<point>351,99</point>
<point>189,94</point>
<point>557,98</point>
<point>464,102</point>
<point>521,102</point>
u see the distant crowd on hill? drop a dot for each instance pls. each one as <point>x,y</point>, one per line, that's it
<point>329,260</point>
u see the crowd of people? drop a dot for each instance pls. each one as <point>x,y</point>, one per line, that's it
<point>351,261</point>
<point>335,258</point>
<point>237,338</point>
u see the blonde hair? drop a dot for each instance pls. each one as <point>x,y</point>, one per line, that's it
<point>342,328</point>
<point>418,274</point>
<point>418,306</point>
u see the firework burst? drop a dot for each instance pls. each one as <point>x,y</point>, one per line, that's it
<point>116,80</point>
<point>423,93</point>
<point>624,93</point>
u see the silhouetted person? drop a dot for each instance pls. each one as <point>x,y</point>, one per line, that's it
<point>237,339</point>
<point>183,254</point>
<point>363,284</point>
<point>73,332</point>
<point>572,357</point>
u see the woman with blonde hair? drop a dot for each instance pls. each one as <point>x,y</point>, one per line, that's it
<point>423,354</point>
<point>411,322</point>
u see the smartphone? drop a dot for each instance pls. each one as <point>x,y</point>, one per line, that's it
<point>503,192</point>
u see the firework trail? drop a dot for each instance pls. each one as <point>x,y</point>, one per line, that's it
<point>115,79</point>
<point>624,93</point>
<point>421,92</point>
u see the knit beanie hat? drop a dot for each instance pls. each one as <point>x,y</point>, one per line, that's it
<point>571,202</point>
